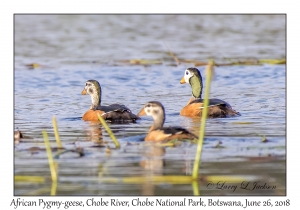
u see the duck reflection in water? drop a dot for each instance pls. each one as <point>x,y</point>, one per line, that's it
<point>94,132</point>
<point>153,164</point>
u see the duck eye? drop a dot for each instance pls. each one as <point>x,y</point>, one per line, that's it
<point>187,73</point>
<point>148,105</point>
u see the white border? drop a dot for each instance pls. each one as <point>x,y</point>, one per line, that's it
<point>8,8</point>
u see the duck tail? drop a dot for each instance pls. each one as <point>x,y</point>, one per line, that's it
<point>232,112</point>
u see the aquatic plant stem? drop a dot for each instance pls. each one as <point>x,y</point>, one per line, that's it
<point>50,158</point>
<point>56,133</point>
<point>172,55</point>
<point>195,188</point>
<point>209,69</point>
<point>110,133</point>
<point>53,188</point>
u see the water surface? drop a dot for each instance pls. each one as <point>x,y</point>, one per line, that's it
<point>74,48</point>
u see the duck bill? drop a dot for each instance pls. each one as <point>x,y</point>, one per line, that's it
<point>142,112</point>
<point>182,81</point>
<point>83,92</point>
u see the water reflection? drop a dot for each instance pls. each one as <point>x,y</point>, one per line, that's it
<point>94,133</point>
<point>153,163</point>
<point>153,159</point>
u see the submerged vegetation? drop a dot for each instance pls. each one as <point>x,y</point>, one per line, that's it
<point>179,61</point>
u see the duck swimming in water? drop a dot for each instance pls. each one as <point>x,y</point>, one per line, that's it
<point>216,107</point>
<point>159,133</point>
<point>112,113</point>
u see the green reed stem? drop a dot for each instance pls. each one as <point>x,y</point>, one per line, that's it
<point>53,188</point>
<point>56,133</point>
<point>110,133</point>
<point>195,186</point>
<point>50,158</point>
<point>209,69</point>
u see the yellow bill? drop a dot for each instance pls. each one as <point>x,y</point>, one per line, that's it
<point>83,92</point>
<point>182,81</point>
<point>142,112</point>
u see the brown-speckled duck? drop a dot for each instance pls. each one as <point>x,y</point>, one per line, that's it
<point>112,113</point>
<point>157,132</point>
<point>217,107</point>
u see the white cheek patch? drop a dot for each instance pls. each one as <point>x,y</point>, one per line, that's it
<point>187,76</point>
<point>147,111</point>
<point>152,111</point>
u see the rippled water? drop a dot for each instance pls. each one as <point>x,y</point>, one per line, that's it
<point>74,48</point>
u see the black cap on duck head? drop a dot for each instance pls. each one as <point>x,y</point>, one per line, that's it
<point>193,77</point>
<point>195,71</point>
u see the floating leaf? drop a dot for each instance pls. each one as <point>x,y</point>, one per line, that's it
<point>144,62</point>
<point>272,61</point>
<point>33,65</point>
<point>35,179</point>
